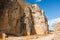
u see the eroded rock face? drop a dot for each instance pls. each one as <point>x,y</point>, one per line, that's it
<point>40,20</point>
<point>57,32</point>
<point>18,17</point>
<point>10,17</point>
<point>29,21</point>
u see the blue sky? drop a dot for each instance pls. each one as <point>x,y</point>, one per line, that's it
<point>51,7</point>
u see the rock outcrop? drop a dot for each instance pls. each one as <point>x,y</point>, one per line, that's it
<point>40,20</point>
<point>57,32</point>
<point>20,18</point>
<point>10,16</point>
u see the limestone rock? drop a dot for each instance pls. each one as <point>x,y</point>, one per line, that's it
<point>40,20</point>
<point>29,21</point>
<point>57,32</point>
<point>18,17</point>
<point>10,17</point>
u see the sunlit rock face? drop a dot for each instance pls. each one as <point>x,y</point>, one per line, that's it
<point>40,20</point>
<point>20,18</point>
<point>57,32</point>
<point>12,17</point>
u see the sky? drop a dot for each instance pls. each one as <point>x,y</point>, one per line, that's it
<point>50,7</point>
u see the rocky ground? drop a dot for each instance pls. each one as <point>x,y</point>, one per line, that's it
<point>34,37</point>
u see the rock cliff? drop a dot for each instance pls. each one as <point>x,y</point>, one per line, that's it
<point>40,20</point>
<point>10,16</point>
<point>20,18</point>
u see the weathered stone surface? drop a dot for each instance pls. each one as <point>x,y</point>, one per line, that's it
<point>29,21</point>
<point>18,17</point>
<point>57,32</point>
<point>10,17</point>
<point>40,20</point>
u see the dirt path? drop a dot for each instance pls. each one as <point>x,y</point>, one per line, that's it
<point>48,37</point>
